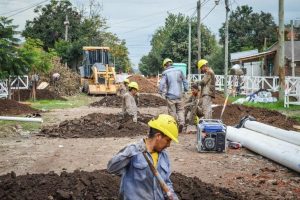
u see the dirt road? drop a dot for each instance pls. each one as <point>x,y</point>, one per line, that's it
<point>238,170</point>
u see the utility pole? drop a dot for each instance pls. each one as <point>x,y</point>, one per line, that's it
<point>199,28</point>
<point>226,49</point>
<point>292,48</point>
<point>281,50</point>
<point>190,49</point>
<point>66,23</point>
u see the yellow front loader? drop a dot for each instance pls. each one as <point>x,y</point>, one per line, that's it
<point>97,75</point>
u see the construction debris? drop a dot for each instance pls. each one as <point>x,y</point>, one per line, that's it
<point>68,83</point>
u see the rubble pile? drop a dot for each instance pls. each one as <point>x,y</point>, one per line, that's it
<point>68,83</point>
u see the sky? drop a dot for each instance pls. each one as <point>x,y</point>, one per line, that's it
<point>136,20</point>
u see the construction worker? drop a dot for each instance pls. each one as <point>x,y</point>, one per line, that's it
<point>207,84</point>
<point>129,108</point>
<point>138,181</point>
<point>123,87</point>
<point>171,88</point>
<point>193,106</point>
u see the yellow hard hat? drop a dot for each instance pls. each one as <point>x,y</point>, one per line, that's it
<point>126,80</point>
<point>166,124</point>
<point>166,61</point>
<point>133,85</point>
<point>201,63</point>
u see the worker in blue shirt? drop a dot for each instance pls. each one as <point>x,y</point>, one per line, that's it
<point>170,86</point>
<point>138,181</point>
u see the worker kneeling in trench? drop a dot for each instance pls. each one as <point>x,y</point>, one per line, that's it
<point>143,162</point>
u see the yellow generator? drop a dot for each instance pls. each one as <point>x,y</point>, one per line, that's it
<point>97,75</point>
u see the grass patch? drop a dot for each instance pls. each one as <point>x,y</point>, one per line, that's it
<point>72,102</point>
<point>27,126</point>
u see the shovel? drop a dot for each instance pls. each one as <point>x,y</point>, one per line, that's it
<point>161,182</point>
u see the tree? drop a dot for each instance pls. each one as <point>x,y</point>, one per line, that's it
<point>84,30</point>
<point>11,63</point>
<point>172,41</point>
<point>37,59</point>
<point>247,30</point>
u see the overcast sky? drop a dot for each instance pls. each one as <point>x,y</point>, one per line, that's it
<point>136,20</point>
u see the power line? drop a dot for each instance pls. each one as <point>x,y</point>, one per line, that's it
<point>209,12</point>
<point>151,15</point>
<point>16,10</point>
<point>27,8</point>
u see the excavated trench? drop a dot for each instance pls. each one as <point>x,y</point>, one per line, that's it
<point>100,185</point>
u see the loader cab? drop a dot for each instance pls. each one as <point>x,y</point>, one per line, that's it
<point>94,56</point>
<point>97,72</point>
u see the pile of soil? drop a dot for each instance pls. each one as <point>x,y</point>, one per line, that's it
<point>40,94</point>
<point>97,185</point>
<point>98,125</point>
<point>68,83</point>
<point>145,100</point>
<point>11,107</point>
<point>145,86</point>
<point>233,114</point>
<point>219,98</point>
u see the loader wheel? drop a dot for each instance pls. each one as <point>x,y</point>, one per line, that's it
<point>85,87</point>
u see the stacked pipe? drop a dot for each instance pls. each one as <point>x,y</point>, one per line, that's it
<point>276,144</point>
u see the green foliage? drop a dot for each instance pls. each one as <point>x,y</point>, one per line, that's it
<point>171,41</point>
<point>37,59</point>
<point>216,60</point>
<point>49,27</point>
<point>11,61</point>
<point>247,30</point>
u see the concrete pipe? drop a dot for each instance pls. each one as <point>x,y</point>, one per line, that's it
<point>277,150</point>
<point>22,119</point>
<point>288,136</point>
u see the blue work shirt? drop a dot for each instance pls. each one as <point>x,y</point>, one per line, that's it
<point>138,181</point>
<point>171,81</point>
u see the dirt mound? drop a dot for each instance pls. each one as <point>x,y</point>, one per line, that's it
<point>11,107</point>
<point>145,100</point>
<point>219,98</point>
<point>40,94</point>
<point>145,86</point>
<point>68,83</point>
<point>98,125</point>
<point>97,185</point>
<point>233,114</point>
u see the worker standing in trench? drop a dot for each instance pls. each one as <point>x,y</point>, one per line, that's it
<point>138,181</point>
<point>207,85</point>
<point>129,107</point>
<point>170,86</point>
<point>123,87</point>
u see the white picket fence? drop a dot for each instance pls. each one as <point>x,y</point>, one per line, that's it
<point>251,84</point>
<point>19,82</point>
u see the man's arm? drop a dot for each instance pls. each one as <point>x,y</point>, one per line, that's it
<point>185,83</point>
<point>205,80</point>
<point>120,161</point>
<point>162,83</point>
<point>170,184</point>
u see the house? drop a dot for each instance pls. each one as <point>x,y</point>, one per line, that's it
<point>269,60</point>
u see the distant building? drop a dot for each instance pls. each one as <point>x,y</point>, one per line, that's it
<point>269,60</point>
